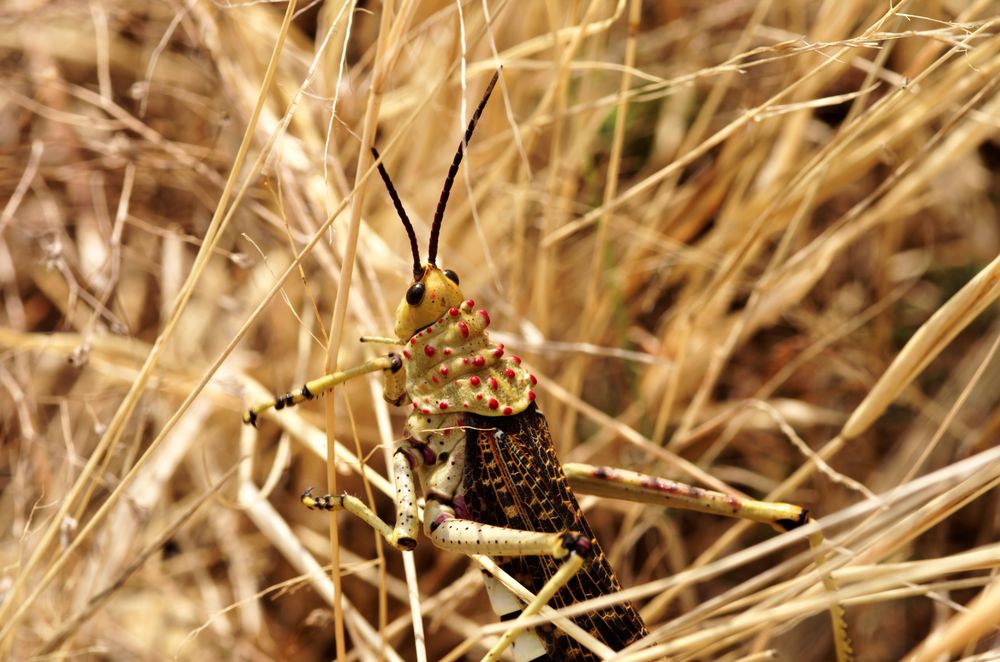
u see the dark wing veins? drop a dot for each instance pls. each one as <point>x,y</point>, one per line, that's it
<point>514,479</point>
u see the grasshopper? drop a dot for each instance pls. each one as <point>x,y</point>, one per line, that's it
<point>480,447</point>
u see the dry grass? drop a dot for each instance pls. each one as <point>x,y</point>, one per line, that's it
<point>748,243</point>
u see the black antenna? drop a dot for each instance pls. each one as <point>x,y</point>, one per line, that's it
<point>418,269</point>
<point>439,214</point>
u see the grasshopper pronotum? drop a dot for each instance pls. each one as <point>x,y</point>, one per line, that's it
<point>480,448</point>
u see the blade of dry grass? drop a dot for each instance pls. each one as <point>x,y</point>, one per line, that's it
<point>797,271</point>
<point>115,427</point>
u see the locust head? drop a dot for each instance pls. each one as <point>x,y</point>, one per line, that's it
<point>430,296</point>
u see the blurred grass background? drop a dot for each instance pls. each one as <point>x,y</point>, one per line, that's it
<point>729,237</point>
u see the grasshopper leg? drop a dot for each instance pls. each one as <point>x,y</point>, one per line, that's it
<point>517,633</point>
<point>450,532</point>
<point>631,486</point>
<point>391,364</point>
<point>402,536</point>
<point>465,536</point>
<point>352,505</point>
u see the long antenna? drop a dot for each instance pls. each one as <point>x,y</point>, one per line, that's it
<point>439,214</point>
<point>418,270</point>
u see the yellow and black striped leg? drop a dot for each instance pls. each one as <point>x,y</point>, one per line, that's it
<point>402,536</point>
<point>631,486</point>
<point>352,505</point>
<point>391,364</point>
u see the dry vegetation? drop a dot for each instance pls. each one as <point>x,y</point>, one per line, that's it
<point>742,244</point>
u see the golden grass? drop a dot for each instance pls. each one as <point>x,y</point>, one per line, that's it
<point>749,245</point>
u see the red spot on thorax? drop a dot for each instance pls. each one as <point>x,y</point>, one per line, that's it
<point>531,396</point>
<point>531,378</point>
<point>478,361</point>
<point>507,411</point>
<point>429,350</point>
<point>492,382</point>
<point>443,404</point>
<point>453,311</point>
<point>407,354</point>
<point>493,404</point>
<point>446,351</point>
<point>469,303</point>
<point>498,352</point>
<point>516,359</point>
<point>485,315</point>
<point>443,370</point>
<point>463,328</point>
<point>509,373</point>
<point>474,380</point>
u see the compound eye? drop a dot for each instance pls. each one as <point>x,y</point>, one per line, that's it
<point>451,275</point>
<point>415,294</point>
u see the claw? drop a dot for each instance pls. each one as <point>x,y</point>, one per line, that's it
<point>575,543</point>
<point>325,502</point>
<point>789,524</point>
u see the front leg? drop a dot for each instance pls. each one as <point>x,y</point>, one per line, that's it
<point>402,536</point>
<point>391,364</point>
